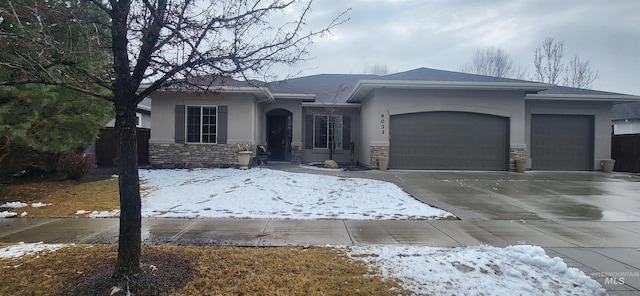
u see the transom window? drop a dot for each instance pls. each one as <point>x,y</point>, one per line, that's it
<point>327,131</point>
<point>201,124</point>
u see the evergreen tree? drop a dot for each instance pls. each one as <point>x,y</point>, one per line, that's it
<point>40,123</point>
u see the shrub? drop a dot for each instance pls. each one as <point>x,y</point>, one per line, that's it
<point>75,166</point>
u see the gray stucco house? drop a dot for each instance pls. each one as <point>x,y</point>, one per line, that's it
<point>419,119</point>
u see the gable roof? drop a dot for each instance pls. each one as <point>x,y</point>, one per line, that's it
<point>428,74</point>
<point>426,78</point>
<point>324,88</point>
<point>626,111</point>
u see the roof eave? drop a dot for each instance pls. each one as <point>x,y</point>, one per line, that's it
<point>577,97</point>
<point>365,86</point>
<point>330,104</point>
<point>143,108</point>
<point>262,93</point>
<point>294,96</point>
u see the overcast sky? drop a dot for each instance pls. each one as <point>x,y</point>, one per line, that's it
<point>444,34</point>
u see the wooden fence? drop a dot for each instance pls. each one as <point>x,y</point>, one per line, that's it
<point>625,149</point>
<point>106,152</point>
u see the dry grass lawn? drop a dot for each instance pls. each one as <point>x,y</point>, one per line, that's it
<point>187,270</point>
<point>65,198</point>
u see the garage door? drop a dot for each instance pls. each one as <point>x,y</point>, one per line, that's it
<point>562,142</point>
<point>449,141</point>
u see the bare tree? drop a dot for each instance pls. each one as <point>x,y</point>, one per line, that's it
<point>156,42</point>
<point>548,61</point>
<point>492,61</point>
<point>377,69</point>
<point>579,74</point>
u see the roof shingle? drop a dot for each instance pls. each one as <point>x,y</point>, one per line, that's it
<point>626,111</point>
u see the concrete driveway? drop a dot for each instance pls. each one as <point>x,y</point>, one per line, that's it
<point>530,196</point>
<point>477,196</point>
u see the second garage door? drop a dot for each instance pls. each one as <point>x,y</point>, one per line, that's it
<point>561,142</point>
<point>449,141</point>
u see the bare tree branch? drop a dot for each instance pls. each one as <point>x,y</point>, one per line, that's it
<point>579,74</point>
<point>491,61</point>
<point>548,61</point>
<point>549,67</point>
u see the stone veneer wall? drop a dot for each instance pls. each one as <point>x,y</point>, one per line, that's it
<point>168,154</point>
<point>296,154</point>
<point>516,153</point>
<point>375,152</point>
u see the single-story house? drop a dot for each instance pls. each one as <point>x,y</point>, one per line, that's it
<point>626,118</point>
<point>419,119</point>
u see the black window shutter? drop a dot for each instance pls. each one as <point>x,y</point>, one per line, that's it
<point>223,115</point>
<point>179,124</point>
<point>308,132</point>
<point>346,132</point>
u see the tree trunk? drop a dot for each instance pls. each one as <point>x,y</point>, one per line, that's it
<point>129,245</point>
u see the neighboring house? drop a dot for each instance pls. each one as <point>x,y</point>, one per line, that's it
<point>419,119</point>
<point>104,147</point>
<point>143,115</point>
<point>626,118</point>
<point>625,145</point>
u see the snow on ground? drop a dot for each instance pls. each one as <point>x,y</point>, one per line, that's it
<point>22,249</point>
<point>18,205</point>
<point>14,205</point>
<point>271,194</point>
<point>479,270</point>
<point>97,214</point>
<point>104,214</point>
<point>8,214</point>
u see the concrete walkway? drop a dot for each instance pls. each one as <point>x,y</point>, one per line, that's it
<point>607,251</point>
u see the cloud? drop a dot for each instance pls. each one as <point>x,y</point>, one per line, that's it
<point>443,34</point>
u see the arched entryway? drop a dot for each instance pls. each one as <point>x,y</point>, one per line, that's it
<point>279,131</point>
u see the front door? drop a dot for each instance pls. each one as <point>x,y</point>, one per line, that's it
<point>279,136</point>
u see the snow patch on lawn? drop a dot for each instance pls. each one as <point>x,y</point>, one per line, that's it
<point>22,249</point>
<point>39,205</point>
<point>479,270</point>
<point>104,214</point>
<point>271,194</point>
<point>18,205</point>
<point>14,205</point>
<point>8,214</point>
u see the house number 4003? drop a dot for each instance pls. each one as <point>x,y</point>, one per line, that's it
<point>382,123</point>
